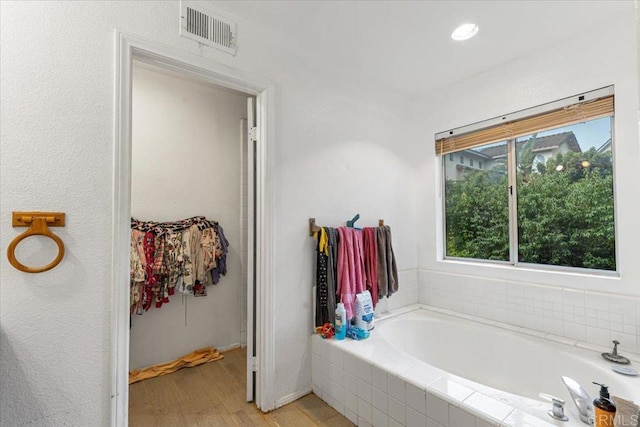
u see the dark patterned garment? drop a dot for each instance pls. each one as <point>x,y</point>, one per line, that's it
<point>325,276</point>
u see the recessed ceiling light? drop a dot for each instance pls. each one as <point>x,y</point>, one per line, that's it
<point>464,32</point>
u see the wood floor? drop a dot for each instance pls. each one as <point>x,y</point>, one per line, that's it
<point>212,395</point>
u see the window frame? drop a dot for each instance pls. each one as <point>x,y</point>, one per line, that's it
<point>514,262</point>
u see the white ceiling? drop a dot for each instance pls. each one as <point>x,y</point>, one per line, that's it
<point>406,45</point>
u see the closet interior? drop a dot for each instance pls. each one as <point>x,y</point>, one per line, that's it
<point>189,213</point>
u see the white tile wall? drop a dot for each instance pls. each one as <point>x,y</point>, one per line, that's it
<point>583,316</point>
<point>407,292</point>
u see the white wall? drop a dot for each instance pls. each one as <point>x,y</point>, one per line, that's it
<point>186,162</point>
<point>342,146</point>
<point>583,307</point>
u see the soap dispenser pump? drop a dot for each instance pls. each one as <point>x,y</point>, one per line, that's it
<point>605,409</point>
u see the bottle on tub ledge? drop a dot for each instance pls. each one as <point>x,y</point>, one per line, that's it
<point>342,323</point>
<point>604,408</point>
<point>364,311</point>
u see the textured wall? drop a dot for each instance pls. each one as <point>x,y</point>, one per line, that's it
<point>341,147</point>
<point>186,162</point>
<point>573,305</point>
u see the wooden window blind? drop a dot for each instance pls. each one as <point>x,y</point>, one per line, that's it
<point>571,114</point>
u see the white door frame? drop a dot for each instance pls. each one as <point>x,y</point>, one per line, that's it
<point>126,47</point>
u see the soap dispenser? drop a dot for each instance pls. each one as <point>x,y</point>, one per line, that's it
<point>605,409</point>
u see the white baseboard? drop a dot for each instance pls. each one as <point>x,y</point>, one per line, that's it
<point>228,347</point>
<point>292,397</point>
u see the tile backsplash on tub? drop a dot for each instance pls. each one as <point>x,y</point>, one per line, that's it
<point>584,316</point>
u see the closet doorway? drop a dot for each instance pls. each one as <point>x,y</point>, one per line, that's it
<point>189,157</point>
<point>171,111</point>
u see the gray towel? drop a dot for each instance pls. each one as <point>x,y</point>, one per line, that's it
<point>387,267</point>
<point>627,413</point>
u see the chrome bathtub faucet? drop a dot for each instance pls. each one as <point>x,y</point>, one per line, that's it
<point>581,398</point>
<point>557,411</point>
<point>614,356</point>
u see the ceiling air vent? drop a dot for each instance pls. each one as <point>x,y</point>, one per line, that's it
<point>207,27</point>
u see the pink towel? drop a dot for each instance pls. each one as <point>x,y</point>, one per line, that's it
<point>351,280</point>
<point>370,247</point>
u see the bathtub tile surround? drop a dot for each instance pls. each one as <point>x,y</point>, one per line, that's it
<point>397,410</point>
<point>580,316</point>
<point>394,389</point>
<point>437,409</point>
<point>394,399</point>
<point>460,418</point>
<point>416,398</point>
<point>379,379</point>
<point>379,399</point>
<point>415,418</point>
<point>380,418</point>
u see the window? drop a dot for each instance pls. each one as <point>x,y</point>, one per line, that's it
<point>462,160</point>
<point>546,194</point>
<point>470,162</point>
<point>477,209</point>
<point>451,157</point>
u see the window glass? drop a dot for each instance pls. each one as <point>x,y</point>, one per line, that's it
<point>565,196</point>
<point>477,206</point>
<point>564,209</point>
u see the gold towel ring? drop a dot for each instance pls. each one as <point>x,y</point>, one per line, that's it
<point>37,222</point>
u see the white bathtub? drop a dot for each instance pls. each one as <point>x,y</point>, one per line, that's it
<point>446,370</point>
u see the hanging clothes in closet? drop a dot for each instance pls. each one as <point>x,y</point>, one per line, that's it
<point>349,261</point>
<point>184,256</point>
